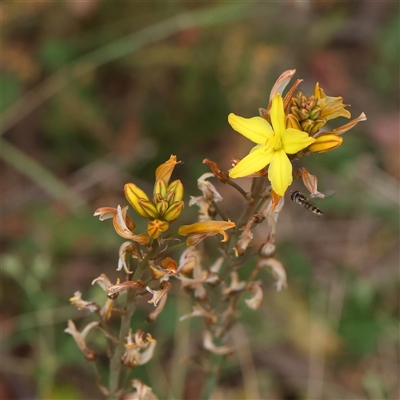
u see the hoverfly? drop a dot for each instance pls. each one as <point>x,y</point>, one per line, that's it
<point>302,200</point>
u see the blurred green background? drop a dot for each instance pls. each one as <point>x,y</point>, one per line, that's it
<point>98,93</point>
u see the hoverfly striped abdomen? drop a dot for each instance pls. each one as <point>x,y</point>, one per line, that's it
<point>302,200</point>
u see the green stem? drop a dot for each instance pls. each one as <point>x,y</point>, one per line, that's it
<point>115,363</point>
<point>219,211</point>
<point>211,382</point>
<point>212,378</point>
<point>172,249</point>
<point>256,202</point>
<point>239,189</point>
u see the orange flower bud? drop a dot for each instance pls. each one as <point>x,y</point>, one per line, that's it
<point>292,122</point>
<point>156,227</point>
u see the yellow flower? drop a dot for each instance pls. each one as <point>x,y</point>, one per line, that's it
<point>273,145</point>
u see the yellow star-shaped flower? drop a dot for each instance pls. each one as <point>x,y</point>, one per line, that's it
<point>273,145</point>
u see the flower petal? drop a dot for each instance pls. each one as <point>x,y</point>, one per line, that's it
<point>295,140</point>
<point>257,159</point>
<point>280,172</point>
<point>256,129</point>
<point>281,83</point>
<point>164,171</point>
<point>205,227</point>
<point>278,115</point>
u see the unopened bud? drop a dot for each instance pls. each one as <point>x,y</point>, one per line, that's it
<point>133,194</point>
<point>174,211</point>
<point>156,227</point>
<point>307,125</point>
<point>162,206</point>
<point>169,198</point>
<point>160,188</point>
<point>296,112</point>
<point>149,208</point>
<point>304,114</point>
<point>325,143</point>
<point>318,124</point>
<point>311,103</point>
<point>292,122</point>
<point>176,188</point>
<point>295,102</point>
<point>315,113</point>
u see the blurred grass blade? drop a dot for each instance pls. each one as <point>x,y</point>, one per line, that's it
<point>39,174</point>
<point>115,50</point>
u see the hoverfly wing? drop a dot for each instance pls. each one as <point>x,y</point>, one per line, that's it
<point>323,195</point>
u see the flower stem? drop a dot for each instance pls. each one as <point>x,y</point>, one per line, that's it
<point>130,306</point>
<point>115,363</point>
<point>213,376</point>
<point>239,189</point>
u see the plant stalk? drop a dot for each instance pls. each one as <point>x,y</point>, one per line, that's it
<point>130,306</point>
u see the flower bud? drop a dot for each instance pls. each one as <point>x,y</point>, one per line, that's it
<point>296,103</point>
<point>296,112</point>
<point>160,188</point>
<point>133,194</point>
<point>307,125</point>
<point>325,143</point>
<point>169,198</point>
<point>292,122</point>
<point>177,188</point>
<point>149,208</point>
<point>318,124</point>
<point>156,227</point>
<point>311,103</point>
<point>162,206</point>
<point>173,211</point>
<point>304,114</point>
<point>315,113</point>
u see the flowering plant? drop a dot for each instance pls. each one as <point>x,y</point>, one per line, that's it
<point>290,128</point>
